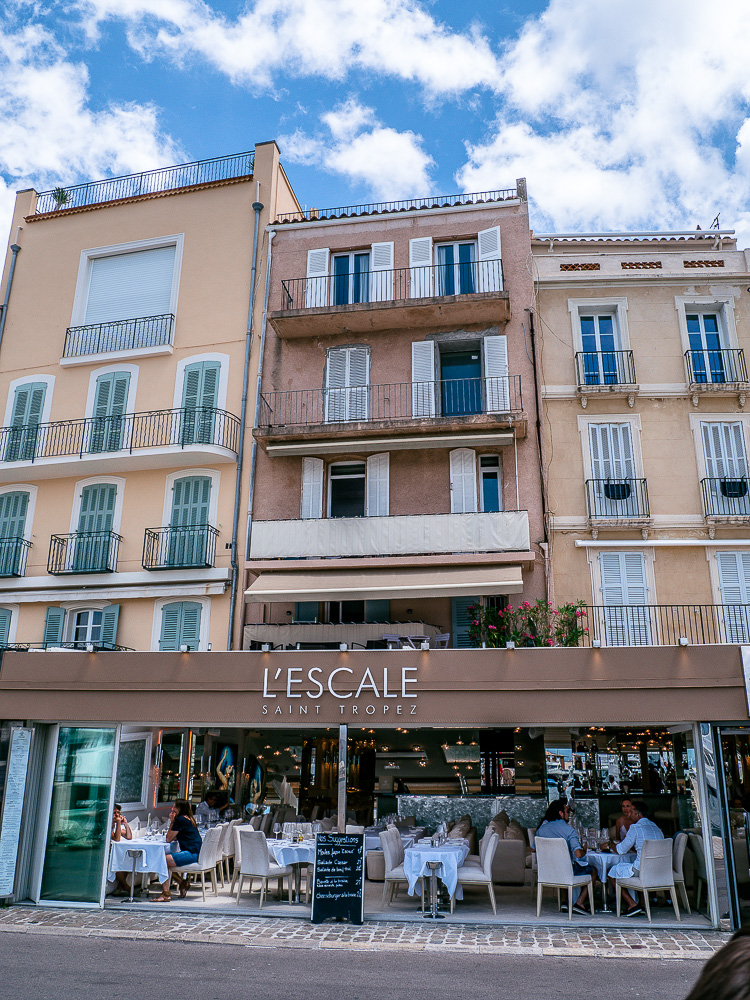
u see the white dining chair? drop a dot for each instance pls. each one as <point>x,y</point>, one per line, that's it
<point>655,874</point>
<point>134,824</point>
<point>679,844</point>
<point>351,828</point>
<point>393,855</point>
<point>206,863</point>
<point>474,875</point>
<point>478,859</point>
<point>555,870</point>
<point>699,861</point>
<point>223,829</point>
<point>255,862</point>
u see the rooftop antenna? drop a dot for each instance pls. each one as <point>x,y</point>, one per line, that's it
<point>715,223</point>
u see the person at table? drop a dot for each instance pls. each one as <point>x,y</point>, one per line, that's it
<point>624,822</point>
<point>121,831</point>
<point>641,828</point>
<point>183,829</point>
<point>556,825</point>
<point>208,810</point>
<point>612,785</point>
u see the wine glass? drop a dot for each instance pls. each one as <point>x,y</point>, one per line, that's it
<point>277,829</point>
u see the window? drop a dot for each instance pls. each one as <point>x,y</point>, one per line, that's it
<point>355,489</point>
<point>110,404</point>
<point>491,490</point>
<point>708,359</point>
<point>624,596</point>
<point>456,268</point>
<point>26,415</point>
<point>364,275</point>
<point>200,391</point>
<point>87,627</point>
<point>612,488</point>
<point>347,489</point>
<point>460,382</point>
<point>725,488</point>
<point>351,278</point>
<point>347,380</point>
<point>81,626</point>
<point>189,523</point>
<point>13,509</point>
<point>180,626</point>
<point>306,611</point>
<point>342,612</point>
<point>734,584</point>
<point>599,345</point>
<point>131,285</point>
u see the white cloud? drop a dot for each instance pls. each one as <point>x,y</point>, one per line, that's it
<point>392,164</point>
<point>625,115</point>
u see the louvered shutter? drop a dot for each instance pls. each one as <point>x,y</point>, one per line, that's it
<point>358,382</point>
<point>171,619</point>
<point>497,384</point>
<point>337,365</point>
<point>624,593</point>
<point>312,488</point>
<point>461,619</point>
<point>200,395</point>
<point>423,394</point>
<point>377,485</point>
<point>381,272</point>
<point>90,548</point>
<point>188,537</point>
<point>347,384</point>
<point>13,507</point>
<point>420,267</point>
<point>26,415</point>
<point>191,625</point>
<point>489,265</point>
<point>110,403</point>
<point>5,617</point>
<point>726,468</point>
<point>130,285</point>
<point>53,627</point>
<point>463,481</point>
<point>316,286</point>
<point>734,583</point>
<point>110,618</point>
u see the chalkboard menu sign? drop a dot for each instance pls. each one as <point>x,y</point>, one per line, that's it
<point>339,886</point>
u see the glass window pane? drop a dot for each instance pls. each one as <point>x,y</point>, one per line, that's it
<point>711,323</point>
<point>78,832</point>
<point>341,280</point>
<point>171,762</point>
<point>693,324</point>
<point>490,491</point>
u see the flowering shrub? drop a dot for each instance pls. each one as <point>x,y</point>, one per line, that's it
<point>528,625</point>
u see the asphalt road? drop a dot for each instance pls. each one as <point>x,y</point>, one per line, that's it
<point>46,967</point>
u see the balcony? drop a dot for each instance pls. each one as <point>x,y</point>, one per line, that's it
<point>610,372</point>
<point>155,439</point>
<point>324,635</point>
<point>13,554</point>
<point>716,370</point>
<point>83,552</point>
<point>190,547</point>
<point>726,498</point>
<point>405,534</point>
<point>402,408</point>
<point>40,647</point>
<point>148,334</point>
<point>438,296</point>
<point>617,500</point>
<point>667,624</point>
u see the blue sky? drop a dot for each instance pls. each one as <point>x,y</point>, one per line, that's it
<point>620,114</point>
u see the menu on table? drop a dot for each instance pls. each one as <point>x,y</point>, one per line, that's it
<point>338,888</point>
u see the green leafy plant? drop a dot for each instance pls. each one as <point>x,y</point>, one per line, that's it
<point>528,624</point>
<point>61,196</point>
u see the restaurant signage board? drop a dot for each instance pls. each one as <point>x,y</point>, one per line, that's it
<point>10,821</point>
<point>339,884</point>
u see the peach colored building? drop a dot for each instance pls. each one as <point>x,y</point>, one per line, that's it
<point>398,473</point>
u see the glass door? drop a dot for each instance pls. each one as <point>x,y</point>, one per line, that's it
<point>735,752</point>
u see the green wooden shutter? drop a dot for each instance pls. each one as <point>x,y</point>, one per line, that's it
<point>110,403</point>
<point>53,627</point>
<point>200,396</point>
<point>95,521</point>
<point>110,618</point>
<point>28,403</point>
<point>180,625</point>
<point>13,507</point>
<point>191,625</point>
<point>171,617</point>
<point>188,538</point>
<point>5,616</point>
<point>461,620</point>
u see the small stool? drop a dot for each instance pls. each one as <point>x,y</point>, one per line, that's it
<point>133,855</point>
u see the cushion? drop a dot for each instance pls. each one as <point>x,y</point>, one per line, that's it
<point>498,827</point>
<point>457,833</point>
<point>502,817</point>
<point>514,831</point>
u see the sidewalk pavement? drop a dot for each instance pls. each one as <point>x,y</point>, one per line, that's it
<point>283,932</point>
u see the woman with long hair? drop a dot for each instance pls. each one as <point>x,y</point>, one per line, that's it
<point>183,829</point>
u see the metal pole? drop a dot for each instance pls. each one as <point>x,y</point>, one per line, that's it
<point>14,249</point>
<point>342,780</point>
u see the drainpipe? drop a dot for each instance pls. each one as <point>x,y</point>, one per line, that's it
<point>257,208</point>
<point>14,249</point>
<point>540,446</point>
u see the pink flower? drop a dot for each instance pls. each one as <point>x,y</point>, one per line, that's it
<point>475,622</point>
<point>550,642</point>
<point>493,627</point>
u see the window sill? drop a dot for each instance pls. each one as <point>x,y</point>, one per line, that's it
<point>138,352</point>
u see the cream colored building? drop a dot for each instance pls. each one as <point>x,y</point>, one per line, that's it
<point>642,341</point>
<point>121,374</point>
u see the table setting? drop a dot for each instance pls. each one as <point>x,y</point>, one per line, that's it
<point>450,856</point>
<point>151,856</point>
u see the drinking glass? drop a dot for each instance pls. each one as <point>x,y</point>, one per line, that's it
<point>277,829</point>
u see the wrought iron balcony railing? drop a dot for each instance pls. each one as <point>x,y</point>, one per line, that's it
<point>118,335</point>
<point>190,547</point>
<point>394,285</point>
<point>605,368</point>
<point>91,647</point>
<point>666,624</point>
<point>130,432</point>
<point>726,497</point>
<point>617,499</point>
<point>716,367</point>
<point>13,554</point>
<point>405,205</point>
<point>220,168</point>
<point>399,401</point>
<point>84,552</point>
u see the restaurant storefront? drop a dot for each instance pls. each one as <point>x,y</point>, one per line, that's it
<point>356,736</point>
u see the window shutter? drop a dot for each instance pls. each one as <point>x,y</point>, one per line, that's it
<point>110,403</point>
<point>191,625</point>
<point>53,627</point>
<point>497,383</point>
<point>613,591</point>
<point>171,617</point>
<point>463,481</point>
<point>336,381</point>
<point>110,618</point>
<point>622,452</point>
<point>381,272</point>
<point>190,501</point>
<point>26,415</point>
<point>97,508</point>
<point>191,385</point>
<point>378,611</point>
<point>200,396</point>
<point>377,485</point>
<point>461,619</point>
<point>358,380</point>
<point>130,285</point>
<point>13,507</point>
<point>489,264</point>
<point>5,616</point>
<point>306,611</point>
<point>624,593</point>
<point>316,286</point>
<point>312,488</point>
<point>347,384</point>
<point>423,387</point>
<point>734,583</point>
<point>420,267</point>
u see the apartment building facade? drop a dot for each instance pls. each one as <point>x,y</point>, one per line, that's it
<point>397,473</point>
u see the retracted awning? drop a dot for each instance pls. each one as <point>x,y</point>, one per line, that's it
<point>385,583</point>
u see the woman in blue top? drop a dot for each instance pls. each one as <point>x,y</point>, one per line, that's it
<point>183,829</point>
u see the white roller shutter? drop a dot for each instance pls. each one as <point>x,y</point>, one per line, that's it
<point>420,267</point>
<point>377,485</point>
<point>497,384</point>
<point>312,488</point>
<point>423,387</point>
<point>381,272</point>
<point>489,265</point>
<point>463,481</point>
<point>316,288</point>
<point>130,285</point>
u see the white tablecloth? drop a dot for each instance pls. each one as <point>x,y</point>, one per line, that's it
<point>372,841</point>
<point>152,857</point>
<point>287,853</point>
<point>451,856</point>
<point>603,862</point>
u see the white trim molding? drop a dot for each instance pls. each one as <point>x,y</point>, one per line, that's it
<point>223,361</point>
<point>213,507</point>
<point>106,370</point>
<point>30,509</point>
<point>117,481</point>
<point>205,603</point>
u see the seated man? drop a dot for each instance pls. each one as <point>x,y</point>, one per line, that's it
<point>555,824</point>
<point>121,831</point>
<point>209,810</point>
<point>641,828</point>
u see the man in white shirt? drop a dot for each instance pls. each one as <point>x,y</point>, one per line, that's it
<point>642,828</point>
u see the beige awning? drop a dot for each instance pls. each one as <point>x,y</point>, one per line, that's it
<point>385,583</point>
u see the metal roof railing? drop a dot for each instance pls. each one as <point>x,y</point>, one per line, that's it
<point>404,205</point>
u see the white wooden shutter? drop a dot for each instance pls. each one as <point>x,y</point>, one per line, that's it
<point>489,265</point>
<point>347,384</point>
<point>423,394</point>
<point>358,383</point>
<point>381,272</point>
<point>496,381</point>
<point>463,481</point>
<point>130,285</point>
<point>726,463</point>
<point>312,488</point>
<point>316,287</point>
<point>377,485</point>
<point>624,593</point>
<point>420,267</point>
<point>734,582</point>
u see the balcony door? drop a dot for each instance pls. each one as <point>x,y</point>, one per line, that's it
<point>26,415</point>
<point>95,521</point>
<point>13,508</point>
<point>461,383</point>
<point>351,278</point>
<point>188,536</point>
<point>200,394</point>
<point>110,403</point>
<point>725,487</point>
<point>625,596</point>
<point>347,384</point>
<point>599,344</point>
<point>707,345</point>
<point>734,584</point>
<point>456,268</point>
<point>612,492</point>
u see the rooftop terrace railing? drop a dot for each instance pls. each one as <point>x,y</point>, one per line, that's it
<point>220,168</point>
<point>404,205</point>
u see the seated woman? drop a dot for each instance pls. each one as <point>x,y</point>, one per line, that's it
<point>120,831</point>
<point>183,829</point>
<point>624,822</point>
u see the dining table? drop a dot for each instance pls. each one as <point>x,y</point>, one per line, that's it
<point>151,856</point>
<point>603,861</point>
<point>283,851</point>
<point>450,856</point>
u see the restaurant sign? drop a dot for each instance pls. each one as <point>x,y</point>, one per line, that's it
<point>373,692</point>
